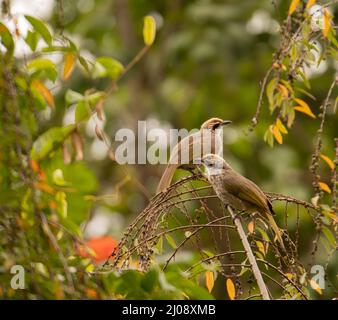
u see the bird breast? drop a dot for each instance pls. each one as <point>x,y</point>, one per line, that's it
<point>220,186</point>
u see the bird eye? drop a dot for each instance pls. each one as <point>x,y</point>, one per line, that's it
<point>216,126</point>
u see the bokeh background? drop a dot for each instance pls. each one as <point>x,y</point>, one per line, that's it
<point>208,60</point>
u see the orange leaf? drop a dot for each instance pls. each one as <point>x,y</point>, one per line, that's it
<point>283,90</point>
<point>43,187</point>
<point>310,3</point>
<point>304,107</point>
<point>91,293</point>
<point>328,161</point>
<point>68,66</point>
<point>209,280</point>
<point>276,133</point>
<point>326,23</point>
<point>251,227</point>
<point>38,85</point>
<point>59,295</point>
<point>315,286</point>
<point>102,248</point>
<point>231,289</point>
<point>35,166</point>
<point>324,187</point>
<point>293,6</point>
<point>37,169</point>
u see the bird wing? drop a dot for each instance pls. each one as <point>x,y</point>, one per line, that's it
<point>247,190</point>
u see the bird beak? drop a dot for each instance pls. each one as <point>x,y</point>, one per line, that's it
<point>225,122</point>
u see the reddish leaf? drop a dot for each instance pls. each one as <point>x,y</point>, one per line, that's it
<point>102,248</point>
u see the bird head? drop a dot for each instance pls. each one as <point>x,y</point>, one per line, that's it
<point>214,164</point>
<point>214,123</point>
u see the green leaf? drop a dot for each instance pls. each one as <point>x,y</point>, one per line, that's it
<point>304,78</point>
<point>32,39</point>
<point>159,245</point>
<point>58,178</point>
<point>270,90</point>
<point>189,287</point>
<point>39,100</point>
<point>57,49</point>
<point>43,68</point>
<point>171,241</point>
<point>208,253</point>
<point>150,280</point>
<point>82,111</point>
<point>107,67</point>
<point>95,97</point>
<point>84,63</point>
<point>6,39</point>
<point>268,137</point>
<point>62,205</point>
<point>41,63</point>
<point>49,141</point>
<point>330,237</point>
<point>40,28</point>
<point>72,97</point>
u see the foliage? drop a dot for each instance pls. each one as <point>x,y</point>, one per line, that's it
<point>108,66</point>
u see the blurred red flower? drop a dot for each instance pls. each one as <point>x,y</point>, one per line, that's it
<point>101,247</point>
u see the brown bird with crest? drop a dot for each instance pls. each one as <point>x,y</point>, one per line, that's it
<point>207,140</point>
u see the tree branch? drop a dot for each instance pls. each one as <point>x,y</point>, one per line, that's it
<point>255,270</point>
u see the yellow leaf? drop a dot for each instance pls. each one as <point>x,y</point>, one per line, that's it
<point>289,276</point>
<point>283,90</point>
<point>231,289</point>
<point>315,286</point>
<point>251,227</point>
<point>324,187</point>
<point>302,103</point>
<point>328,161</point>
<point>185,295</point>
<point>59,295</point>
<point>149,30</point>
<point>330,215</point>
<point>281,127</point>
<point>68,66</point>
<point>326,23</point>
<point>260,247</point>
<point>304,107</point>
<point>38,85</point>
<point>293,6</point>
<point>90,268</point>
<point>310,3</point>
<point>276,133</point>
<point>209,280</point>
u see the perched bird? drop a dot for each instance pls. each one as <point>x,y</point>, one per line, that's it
<point>207,140</point>
<point>239,192</point>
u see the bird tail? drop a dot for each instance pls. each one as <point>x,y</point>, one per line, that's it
<point>166,178</point>
<point>276,230</point>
